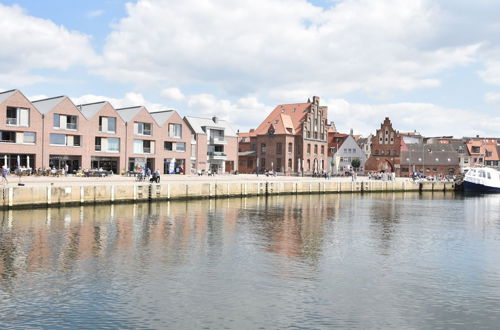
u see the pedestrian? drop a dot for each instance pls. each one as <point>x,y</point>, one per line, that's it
<point>66,168</point>
<point>4,174</point>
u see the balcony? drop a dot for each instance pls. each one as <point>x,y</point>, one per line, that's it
<point>217,140</point>
<point>217,155</point>
<point>12,121</point>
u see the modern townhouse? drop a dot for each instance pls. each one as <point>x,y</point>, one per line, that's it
<point>106,139</point>
<point>215,144</point>
<point>142,135</point>
<point>21,128</point>
<point>175,142</point>
<point>64,130</point>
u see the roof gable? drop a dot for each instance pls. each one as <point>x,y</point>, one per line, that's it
<point>89,110</point>
<point>5,95</point>
<point>162,117</point>
<point>285,116</point>
<point>47,105</point>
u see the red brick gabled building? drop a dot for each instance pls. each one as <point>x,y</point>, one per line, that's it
<point>292,139</point>
<point>386,147</point>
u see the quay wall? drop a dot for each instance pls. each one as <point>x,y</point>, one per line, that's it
<point>75,194</point>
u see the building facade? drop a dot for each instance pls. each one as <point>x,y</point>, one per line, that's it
<point>292,139</point>
<point>215,145</point>
<point>21,127</point>
<point>346,153</point>
<point>386,147</point>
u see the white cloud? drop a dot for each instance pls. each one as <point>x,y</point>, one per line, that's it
<point>130,99</point>
<point>428,119</point>
<point>173,93</point>
<point>30,43</point>
<point>95,13</point>
<point>275,47</point>
<point>243,114</point>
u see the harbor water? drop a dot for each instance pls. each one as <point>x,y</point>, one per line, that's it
<point>389,260</point>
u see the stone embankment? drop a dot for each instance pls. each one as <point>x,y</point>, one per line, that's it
<point>78,194</point>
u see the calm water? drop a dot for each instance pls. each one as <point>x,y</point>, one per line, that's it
<point>372,261</point>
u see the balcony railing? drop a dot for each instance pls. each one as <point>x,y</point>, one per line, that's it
<point>71,126</point>
<point>217,155</point>
<point>11,121</point>
<point>217,140</point>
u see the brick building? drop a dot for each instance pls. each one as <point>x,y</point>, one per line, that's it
<point>292,139</point>
<point>386,147</point>
<point>21,127</point>
<point>431,159</point>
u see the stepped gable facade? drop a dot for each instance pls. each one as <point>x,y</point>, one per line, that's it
<point>386,147</point>
<point>292,139</point>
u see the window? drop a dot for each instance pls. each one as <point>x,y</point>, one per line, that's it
<point>250,163</point>
<point>146,146</point>
<point>315,149</point>
<point>97,143</point>
<point>167,146</point>
<point>308,148</point>
<point>488,153</point>
<point>58,139</point>
<point>278,148</point>
<point>8,137</point>
<point>290,147</point>
<point>18,116</point>
<point>263,148</point>
<point>113,144</point>
<point>71,122</point>
<point>143,146</point>
<point>175,131</point>
<point>65,121</point>
<point>57,120</point>
<point>180,146</point>
<point>476,150</point>
<point>143,128</point>
<point>29,137</point>
<point>107,124</point>
<point>322,150</point>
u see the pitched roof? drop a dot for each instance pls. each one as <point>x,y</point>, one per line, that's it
<point>128,114</point>
<point>163,116</point>
<point>90,109</point>
<point>197,125</point>
<point>285,116</point>
<point>5,95</point>
<point>430,154</point>
<point>46,105</point>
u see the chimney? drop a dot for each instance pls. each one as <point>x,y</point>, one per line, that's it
<point>215,119</point>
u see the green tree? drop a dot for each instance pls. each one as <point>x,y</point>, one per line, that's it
<point>355,163</point>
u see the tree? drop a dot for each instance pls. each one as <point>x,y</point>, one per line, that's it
<point>356,163</point>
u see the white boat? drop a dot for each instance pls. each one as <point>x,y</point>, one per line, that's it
<point>482,180</point>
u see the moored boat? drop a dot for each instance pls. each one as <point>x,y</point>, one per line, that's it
<point>482,180</point>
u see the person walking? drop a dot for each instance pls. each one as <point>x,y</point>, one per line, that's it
<point>4,175</point>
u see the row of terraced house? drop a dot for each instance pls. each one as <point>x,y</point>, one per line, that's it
<point>55,132</point>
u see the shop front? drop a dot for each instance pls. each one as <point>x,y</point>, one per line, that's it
<point>134,164</point>
<point>59,161</point>
<point>13,161</point>
<point>174,166</point>
<point>106,163</point>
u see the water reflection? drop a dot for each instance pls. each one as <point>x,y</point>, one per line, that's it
<point>307,261</point>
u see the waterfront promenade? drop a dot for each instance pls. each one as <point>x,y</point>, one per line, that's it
<point>63,191</point>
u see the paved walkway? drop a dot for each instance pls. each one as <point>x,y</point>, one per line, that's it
<point>65,180</point>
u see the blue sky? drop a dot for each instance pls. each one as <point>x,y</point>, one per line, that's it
<point>432,66</point>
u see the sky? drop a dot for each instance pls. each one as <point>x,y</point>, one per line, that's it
<point>431,66</point>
